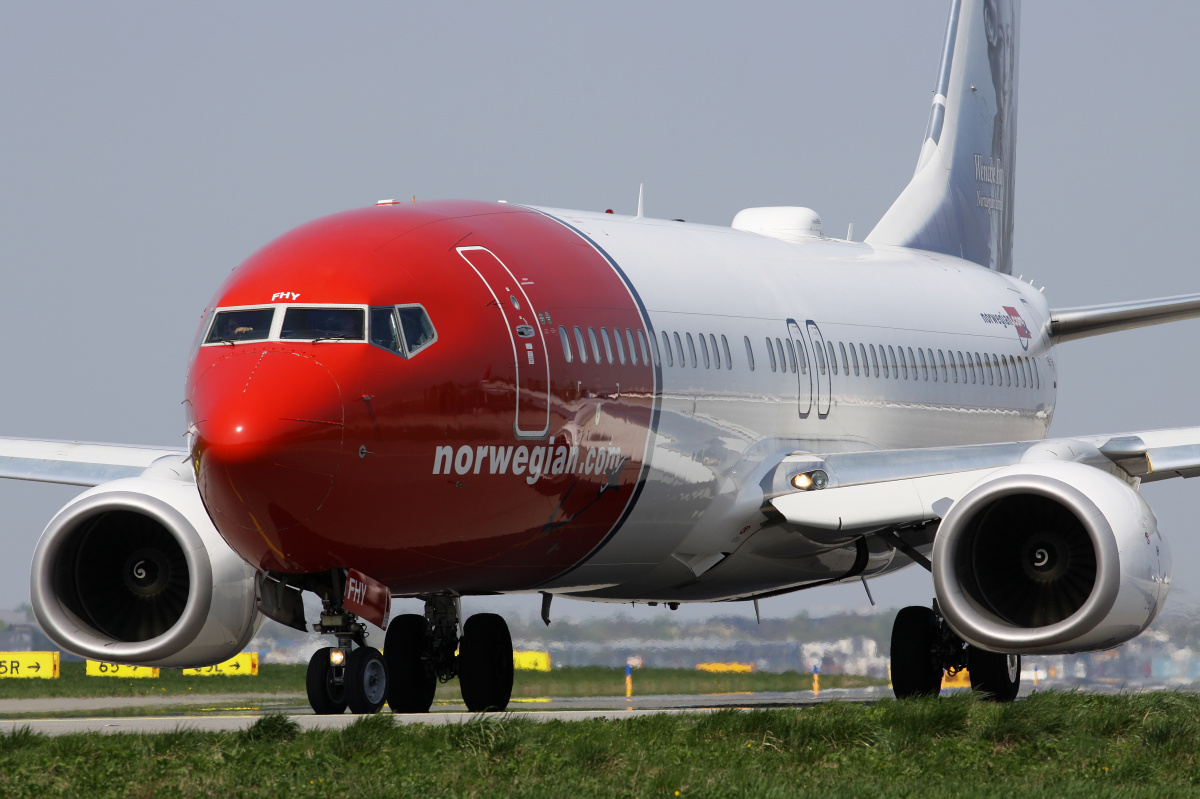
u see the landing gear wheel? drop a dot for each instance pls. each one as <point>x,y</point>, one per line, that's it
<point>366,680</point>
<point>324,697</point>
<point>914,672</point>
<point>410,683</point>
<point>485,663</point>
<point>994,674</point>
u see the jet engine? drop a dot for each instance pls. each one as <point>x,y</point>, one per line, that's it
<point>133,571</point>
<point>1050,558</point>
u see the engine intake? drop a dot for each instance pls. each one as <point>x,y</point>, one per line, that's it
<point>1048,558</point>
<point>133,571</point>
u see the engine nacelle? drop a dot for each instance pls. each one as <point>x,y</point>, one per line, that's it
<point>133,571</point>
<point>1050,558</point>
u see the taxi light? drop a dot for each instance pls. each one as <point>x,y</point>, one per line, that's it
<point>336,657</point>
<point>811,481</point>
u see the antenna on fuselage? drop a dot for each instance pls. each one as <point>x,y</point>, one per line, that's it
<point>639,213</point>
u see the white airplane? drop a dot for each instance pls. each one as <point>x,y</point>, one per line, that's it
<point>448,399</point>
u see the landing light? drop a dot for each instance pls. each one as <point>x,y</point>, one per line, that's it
<point>336,657</point>
<point>811,481</point>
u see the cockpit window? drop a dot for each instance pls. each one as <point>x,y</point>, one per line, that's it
<point>418,329</point>
<point>248,324</point>
<point>402,329</point>
<point>323,324</point>
<point>384,330</point>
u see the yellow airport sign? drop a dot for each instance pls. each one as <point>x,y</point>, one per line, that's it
<point>531,661</point>
<point>960,679</point>
<point>98,668</point>
<point>726,668</point>
<point>29,665</point>
<point>243,663</point>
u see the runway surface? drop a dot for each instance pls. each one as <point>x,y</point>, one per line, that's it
<point>231,712</point>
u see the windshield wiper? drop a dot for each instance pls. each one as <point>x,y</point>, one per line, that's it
<point>340,337</point>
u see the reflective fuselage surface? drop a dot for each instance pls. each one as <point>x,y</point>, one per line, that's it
<point>594,398</point>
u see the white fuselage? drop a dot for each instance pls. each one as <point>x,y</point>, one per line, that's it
<point>926,353</point>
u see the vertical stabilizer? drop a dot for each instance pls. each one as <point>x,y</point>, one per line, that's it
<point>960,199</point>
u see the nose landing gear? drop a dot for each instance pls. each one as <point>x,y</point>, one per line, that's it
<point>351,674</point>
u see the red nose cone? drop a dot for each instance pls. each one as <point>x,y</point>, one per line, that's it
<point>268,442</point>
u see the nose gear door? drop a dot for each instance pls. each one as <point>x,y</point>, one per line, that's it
<point>532,366</point>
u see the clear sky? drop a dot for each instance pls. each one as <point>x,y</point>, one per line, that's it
<point>148,148</point>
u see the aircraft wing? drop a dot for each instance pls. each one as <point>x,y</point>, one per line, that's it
<point>1067,324</point>
<point>75,462</point>
<point>886,488</point>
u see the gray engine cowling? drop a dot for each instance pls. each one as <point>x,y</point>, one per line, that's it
<point>1050,558</point>
<point>133,571</point>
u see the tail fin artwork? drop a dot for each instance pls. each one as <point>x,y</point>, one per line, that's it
<point>960,199</point>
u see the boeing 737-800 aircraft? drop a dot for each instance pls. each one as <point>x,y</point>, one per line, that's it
<point>448,399</point>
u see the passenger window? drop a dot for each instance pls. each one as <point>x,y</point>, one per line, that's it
<point>632,350</point>
<point>903,364</point>
<point>667,349</point>
<point>642,346</point>
<point>704,351</point>
<point>384,330</point>
<point>782,357</point>
<point>1037,377</point>
<point>691,348</point>
<point>966,370</point>
<point>845,362</point>
<point>892,362</point>
<point>942,366</point>
<point>595,345</point>
<point>832,357</point>
<point>566,343</point>
<point>875,361</point>
<point>253,324</point>
<point>679,351</point>
<point>854,358</point>
<point>979,366</point>
<point>749,352</point>
<point>725,346</point>
<point>608,356</point>
<point>716,352</point>
<point>1028,372</point>
<point>802,357</point>
<point>582,348</point>
<point>791,355</point>
<point>1010,371</point>
<point>771,353</point>
<point>416,327</point>
<point>862,356</point>
<point>322,324</point>
<point>620,345</point>
<point>924,365</point>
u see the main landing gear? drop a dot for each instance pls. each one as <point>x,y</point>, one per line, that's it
<point>418,653</point>
<point>421,652</point>
<point>924,646</point>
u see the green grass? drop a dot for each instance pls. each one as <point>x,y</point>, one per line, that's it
<point>1055,744</point>
<point>275,679</point>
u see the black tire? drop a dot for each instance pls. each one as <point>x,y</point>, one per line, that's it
<point>913,671</point>
<point>994,674</point>
<point>324,697</point>
<point>366,680</point>
<point>410,683</point>
<point>485,663</point>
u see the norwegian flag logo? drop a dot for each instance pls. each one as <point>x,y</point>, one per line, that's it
<point>1019,324</point>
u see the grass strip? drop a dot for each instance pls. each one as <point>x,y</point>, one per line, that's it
<point>1061,744</point>
<point>566,682</point>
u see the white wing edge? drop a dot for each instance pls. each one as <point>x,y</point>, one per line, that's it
<point>76,462</point>
<point>882,488</point>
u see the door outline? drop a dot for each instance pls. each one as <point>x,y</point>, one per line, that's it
<point>804,398</point>
<point>514,317</point>
<point>823,381</point>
